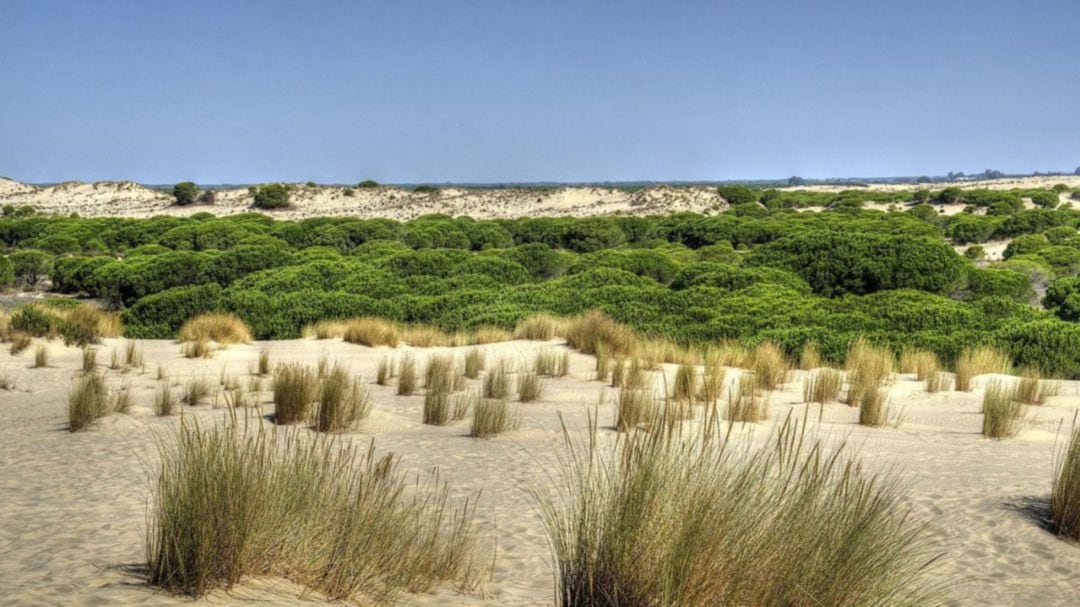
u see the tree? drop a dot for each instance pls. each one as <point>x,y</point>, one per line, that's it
<point>1077,171</point>
<point>796,181</point>
<point>738,194</point>
<point>31,265</point>
<point>272,196</point>
<point>368,183</point>
<point>185,192</point>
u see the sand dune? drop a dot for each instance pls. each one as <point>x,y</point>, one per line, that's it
<point>73,506</point>
<point>128,199</point>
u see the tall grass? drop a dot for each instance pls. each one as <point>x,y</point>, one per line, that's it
<point>216,327</point>
<point>489,335</point>
<point>196,392</point>
<point>685,386</point>
<point>264,362</point>
<point>868,366</point>
<point>230,503</point>
<point>823,385</point>
<point>529,386</point>
<point>439,380</point>
<point>89,400</point>
<point>745,401</point>
<point>369,331</point>
<point>385,371</point>
<point>712,382</point>
<point>1032,389</point>
<point>20,342</point>
<point>295,388</point>
<point>164,402</point>
<point>810,358</point>
<point>133,356</point>
<point>923,364</point>
<point>1002,411</point>
<point>552,363</point>
<point>939,381</point>
<point>492,416</point>
<point>538,327</point>
<point>200,348</point>
<point>41,356</point>
<point>497,381</point>
<point>1065,494</point>
<point>770,366</point>
<point>342,402</point>
<point>977,361</point>
<point>664,519</point>
<point>474,363</point>
<point>874,407</point>
<point>635,408</point>
<point>406,376</point>
<point>595,329</point>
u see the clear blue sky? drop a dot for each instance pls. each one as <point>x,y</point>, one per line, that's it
<point>506,90</point>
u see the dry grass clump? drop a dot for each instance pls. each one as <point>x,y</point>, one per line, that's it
<point>200,348</point>
<point>529,386</point>
<point>712,382</point>
<point>489,335</point>
<point>439,381</point>
<point>732,354</point>
<point>923,364</point>
<point>1065,494</point>
<point>342,402</point>
<point>977,361</point>
<point>685,386</point>
<point>822,385</point>
<point>264,362</point>
<point>20,342</point>
<point>874,407</point>
<point>635,408</point>
<point>325,329</point>
<point>1002,411</point>
<point>1032,389</point>
<point>552,363</point>
<point>594,329</point>
<point>426,336</point>
<point>492,416</point>
<point>295,388</point>
<point>603,364</point>
<point>230,503</point>
<point>89,400</point>
<point>164,402</point>
<point>406,376</point>
<point>868,367</point>
<point>7,382</point>
<point>745,401</point>
<point>939,382</point>
<point>474,363</point>
<point>94,321</point>
<point>460,404</point>
<point>669,520</point>
<point>538,327</point>
<point>385,371</point>
<point>133,356</point>
<point>371,332</point>
<point>497,381</point>
<point>217,327</point>
<point>769,365</point>
<point>810,358</point>
<point>41,356</point>
<point>197,391</point>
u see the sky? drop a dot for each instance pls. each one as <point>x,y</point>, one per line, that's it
<point>405,91</point>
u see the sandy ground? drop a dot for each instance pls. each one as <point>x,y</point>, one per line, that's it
<point>128,199</point>
<point>73,506</point>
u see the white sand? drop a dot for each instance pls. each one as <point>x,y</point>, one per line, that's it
<point>128,199</point>
<point>73,506</point>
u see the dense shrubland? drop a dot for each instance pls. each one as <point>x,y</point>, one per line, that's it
<point>773,274</point>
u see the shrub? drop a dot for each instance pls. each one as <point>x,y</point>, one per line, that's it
<point>1065,495</point>
<point>219,328</point>
<point>342,402</point>
<point>368,183</point>
<point>229,504</point>
<point>492,416</point>
<point>271,196</point>
<point>685,521</point>
<point>185,192</point>
<point>295,388</point>
<point>1002,411</point>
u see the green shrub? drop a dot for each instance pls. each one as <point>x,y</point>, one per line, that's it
<point>271,196</point>
<point>185,192</point>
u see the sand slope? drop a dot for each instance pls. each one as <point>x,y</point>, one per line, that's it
<point>128,199</point>
<point>73,506</point>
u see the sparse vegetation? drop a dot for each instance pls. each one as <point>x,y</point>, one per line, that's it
<point>88,401</point>
<point>197,391</point>
<point>230,503</point>
<point>1065,495</point>
<point>745,401</point>
<point>552,363</point>
<point>41,356</point>
<point>164,402</point>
